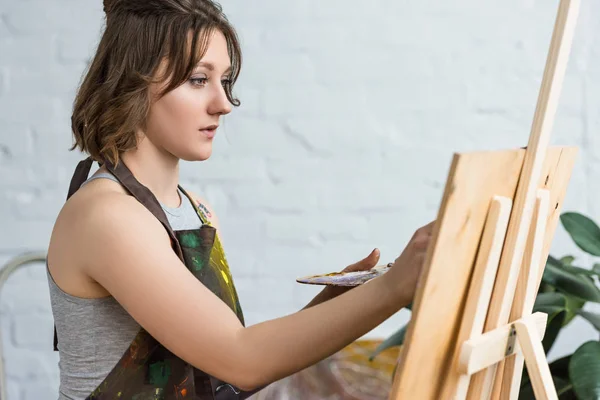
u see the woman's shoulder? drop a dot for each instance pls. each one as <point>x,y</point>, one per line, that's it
<point>99,201</point>
<point>100,219</point>
<point>99,210</point>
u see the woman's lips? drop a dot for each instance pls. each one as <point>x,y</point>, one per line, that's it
<point>209,133</point>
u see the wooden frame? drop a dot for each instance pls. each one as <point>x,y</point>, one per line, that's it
<point>472,326</point>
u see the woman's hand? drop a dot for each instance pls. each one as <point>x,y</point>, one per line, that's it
<point>404,275</point>
<point>331,292</point>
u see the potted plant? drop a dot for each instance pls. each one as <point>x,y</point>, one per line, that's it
<point>565,289</point>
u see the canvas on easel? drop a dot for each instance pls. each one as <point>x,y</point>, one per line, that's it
<point>472,326</point>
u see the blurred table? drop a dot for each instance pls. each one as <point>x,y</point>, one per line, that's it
<point>347,375</point>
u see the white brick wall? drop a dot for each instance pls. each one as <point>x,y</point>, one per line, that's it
<point>350,113</point>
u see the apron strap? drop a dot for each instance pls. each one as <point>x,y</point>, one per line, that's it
<point>144,196</point>
<point>80,175</point>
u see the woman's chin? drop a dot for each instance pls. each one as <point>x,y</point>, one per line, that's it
<point>197,154</point>
<point>193,152</point>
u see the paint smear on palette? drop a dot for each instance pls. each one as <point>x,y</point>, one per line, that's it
<point>345,278</point>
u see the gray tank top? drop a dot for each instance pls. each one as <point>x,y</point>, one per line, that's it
<point>93,334</point>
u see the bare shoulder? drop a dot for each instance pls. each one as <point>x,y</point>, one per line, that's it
<point>100,207</point>
<point>116,219</point>
<point>99,216</point>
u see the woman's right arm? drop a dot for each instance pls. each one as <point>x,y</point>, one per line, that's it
<point>127,251</point>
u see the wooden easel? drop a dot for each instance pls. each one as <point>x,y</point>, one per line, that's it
<point>472,327</point>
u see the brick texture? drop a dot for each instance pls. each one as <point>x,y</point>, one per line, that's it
<point>350,114</point>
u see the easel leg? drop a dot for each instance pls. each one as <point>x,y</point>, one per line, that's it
<point>503,375</point>
<point>509,375</point>
<point>537,366</point>
<point>515,387</point>
<point>478,298</point>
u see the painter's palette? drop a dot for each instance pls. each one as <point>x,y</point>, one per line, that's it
<point>345,278</point>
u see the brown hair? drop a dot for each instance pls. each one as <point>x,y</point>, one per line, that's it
<point>113,99</point>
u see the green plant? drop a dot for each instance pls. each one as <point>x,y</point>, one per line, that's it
<point>564,291</point>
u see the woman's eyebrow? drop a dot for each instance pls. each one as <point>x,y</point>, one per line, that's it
<point>210,66</point>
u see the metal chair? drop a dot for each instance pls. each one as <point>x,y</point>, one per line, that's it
<point>5,272</point>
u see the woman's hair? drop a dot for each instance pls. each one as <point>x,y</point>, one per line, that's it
<point>113,99</point>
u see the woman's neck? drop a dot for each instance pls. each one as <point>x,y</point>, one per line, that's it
<point>158,171</point>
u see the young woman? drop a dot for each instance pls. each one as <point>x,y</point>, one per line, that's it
<point>143,300</point>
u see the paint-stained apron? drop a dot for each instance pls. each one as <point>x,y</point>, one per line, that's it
<point>147,370</point>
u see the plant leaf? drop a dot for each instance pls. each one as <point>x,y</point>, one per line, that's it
<point>571,284</point>
<point>572,268</point>
<point>555,324</point>
<point>555,299</point>
<point>395,339</point>
<point>545,288</point>
<point>550,303</point>
<point>560,367</point>
<point>584,232</point>
<point>573,306</point>
<point>579,270</point>
<point>592,318</point>
<point>596,268</point>
<point>584,371</point>
<point>567,260</point>
<point>526,391</point>
<point>560,375</point>
<point>563,387</point>
<point>568,394</point>
<point>554,261</point>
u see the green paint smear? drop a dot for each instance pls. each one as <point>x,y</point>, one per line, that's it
<point>198,263</point>
<point>159,374</point>
<point>190,240</point>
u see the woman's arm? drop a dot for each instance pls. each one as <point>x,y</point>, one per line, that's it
<point>289,344</point>
<point>129,254</point>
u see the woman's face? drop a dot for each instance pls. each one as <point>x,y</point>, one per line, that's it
<point>185,120</point>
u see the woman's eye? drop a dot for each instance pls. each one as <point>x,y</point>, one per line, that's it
<point>198,81</point>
